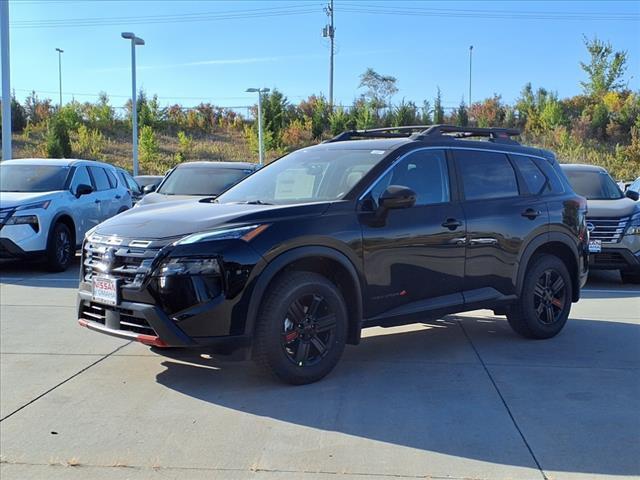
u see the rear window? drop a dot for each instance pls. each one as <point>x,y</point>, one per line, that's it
<point>486,175</point>
<point>593,184</point>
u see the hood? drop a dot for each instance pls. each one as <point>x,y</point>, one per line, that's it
<point>174,219</point>
<point>622,207</point>
<point>153,197</point>
<point>15,199</point>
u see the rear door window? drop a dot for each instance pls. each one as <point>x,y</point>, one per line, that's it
<point>100,178</point>
<point>535,180</point>
<point>486,175</point>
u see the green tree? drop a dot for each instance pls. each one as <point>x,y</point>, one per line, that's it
<point>338,121</point>
<point>149,148</point>
<point>462,115</point>
<point>425,114</point>
<point>404,114</point>
<point>57,143</point>
<point>605,68</point>
<point>379,88</point>
<point>438,111</point>
<point>88,143</point>
<point>18,115</point>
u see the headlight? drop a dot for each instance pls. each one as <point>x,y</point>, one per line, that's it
<point>30,206</point>
<point>634,225</point>
<point>25,220</point>
<point>188,266</point>
<point>243,233</point>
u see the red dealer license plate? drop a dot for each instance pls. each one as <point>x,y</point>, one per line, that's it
<point>105,290</point>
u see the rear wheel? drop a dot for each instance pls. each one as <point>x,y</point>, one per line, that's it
<point>60,248</point>
<point>545,300</point>
<point>302,328</point>
<point>632,276</point>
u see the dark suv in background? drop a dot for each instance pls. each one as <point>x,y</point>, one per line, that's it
<point>372,228</point>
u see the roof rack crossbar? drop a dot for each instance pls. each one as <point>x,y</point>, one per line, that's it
<point>501,135</point>
<point>385,132</point>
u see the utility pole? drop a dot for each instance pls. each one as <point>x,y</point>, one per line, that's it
<point>259,91</point>
<point>6,82</point>
<point>329,31</point>
<point>135,41</point>
<point>60,52</point>
<point>470,56</point>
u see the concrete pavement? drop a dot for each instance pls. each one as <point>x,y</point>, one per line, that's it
<point>461,398</point>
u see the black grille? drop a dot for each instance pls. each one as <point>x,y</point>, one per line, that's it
<point>607,230</point>
<point>95,312</point>
<point>128,263</point>
<point>610,259</point>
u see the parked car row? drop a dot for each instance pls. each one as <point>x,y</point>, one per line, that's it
<point>47,206</point>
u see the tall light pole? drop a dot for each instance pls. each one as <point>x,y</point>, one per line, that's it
<point>330,31</point>
<point>134,102</point>
<point>60,52</point>
<point>260,91</point>
<point>6,82</point>
<point>470,57</point>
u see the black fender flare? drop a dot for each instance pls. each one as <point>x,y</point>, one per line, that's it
<point>280,262</point>
<point>538,242</point>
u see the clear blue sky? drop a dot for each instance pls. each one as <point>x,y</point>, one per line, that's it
<point>235,45</point>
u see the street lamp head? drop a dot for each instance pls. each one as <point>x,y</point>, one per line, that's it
<point>265,90</point>
<point>128,35</point>
<point>59,50</point>
<point>257,90</point>
<point>139,41</point>
<point>251,90</point>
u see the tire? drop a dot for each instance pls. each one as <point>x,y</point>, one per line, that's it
<point>60,248</point>
<point>302,313</point>
<point>632,276</point>
<point>545,300</point>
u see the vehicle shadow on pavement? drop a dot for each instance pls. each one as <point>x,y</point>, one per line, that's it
<point>441,389</point>
<point>33,273</point>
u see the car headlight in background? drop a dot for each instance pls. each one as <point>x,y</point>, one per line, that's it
<point>31,220</point>
<point>634,225</point>
<point>246,233</point>
<point>32,206</point>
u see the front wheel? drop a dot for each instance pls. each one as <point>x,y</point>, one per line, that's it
<point>60,248</point>
<point>302,328</point>
<point>545,300</point>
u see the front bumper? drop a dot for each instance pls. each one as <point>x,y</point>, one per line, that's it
<point>147,324</point>
<point>9,249</point>
<point>615,259</point>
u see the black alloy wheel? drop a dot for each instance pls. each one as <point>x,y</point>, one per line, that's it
<point>549,296</point>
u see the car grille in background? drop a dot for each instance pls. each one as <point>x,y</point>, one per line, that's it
<point>612,259</point>
<point>608,230</point>
<point>95,312</point>
<point>128,263</point>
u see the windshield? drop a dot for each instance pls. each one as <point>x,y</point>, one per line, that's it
<point>593,185</point>
<point>308,175</point>
<point>201,180</point>
<point>32,178</point>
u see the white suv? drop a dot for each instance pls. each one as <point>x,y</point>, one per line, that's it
<point>46,206</point>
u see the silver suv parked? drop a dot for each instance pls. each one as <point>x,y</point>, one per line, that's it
<point>46,206</point>
<point>613,221</point>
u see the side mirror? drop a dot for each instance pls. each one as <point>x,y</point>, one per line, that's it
<point>396,196</point>
<point>149,188</point>
<point>632,195</point>
<point>83,189</point>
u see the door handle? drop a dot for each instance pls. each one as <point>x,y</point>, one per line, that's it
<point>531,214</point>
<point>118,197</point>
<point>451,223</point>
<point>97,201</point>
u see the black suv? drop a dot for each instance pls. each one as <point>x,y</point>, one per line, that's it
<point>372,228</point>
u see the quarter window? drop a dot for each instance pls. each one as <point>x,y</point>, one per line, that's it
<point>425,172</point>
<point>533,177</point>
<point>100,178</point>
<point>113,181</point>
<point>486,175</point>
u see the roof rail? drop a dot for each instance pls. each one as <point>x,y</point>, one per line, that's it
<point>386,132</point>
<point>498,135</point>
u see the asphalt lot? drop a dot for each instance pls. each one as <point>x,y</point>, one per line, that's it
<point>461,398</point>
